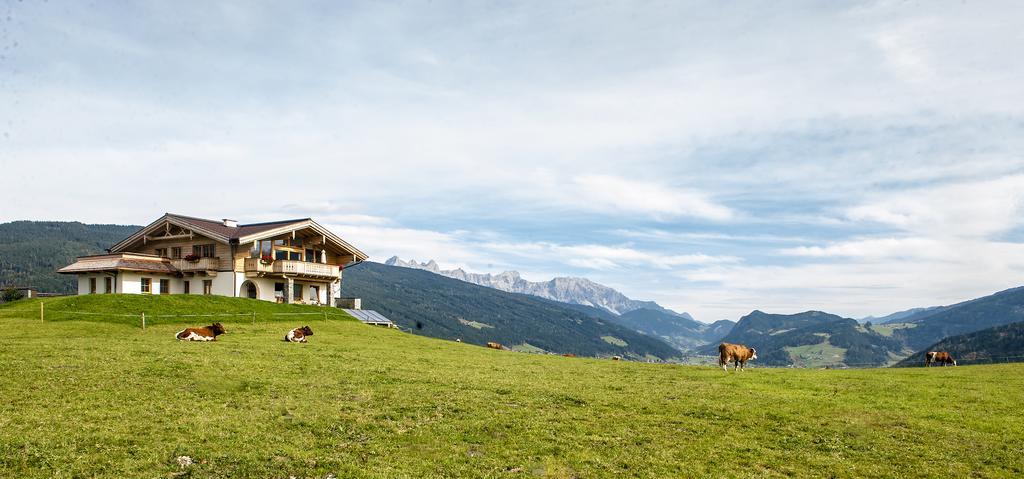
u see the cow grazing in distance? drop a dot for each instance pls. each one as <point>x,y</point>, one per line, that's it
<point>938,357</point>
<point>569,355</point>
<point>616,358</point>
<point>205,333</point>
<point>298,335</point>
<point>737,354</point>
<point>494,345</point>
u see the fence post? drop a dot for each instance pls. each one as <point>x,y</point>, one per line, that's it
<point>143,322</point>
<point>254,318</point>
<point>325,315</point>
<point>41,311</point>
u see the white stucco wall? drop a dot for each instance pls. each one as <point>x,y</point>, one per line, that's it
<point>224,284</point>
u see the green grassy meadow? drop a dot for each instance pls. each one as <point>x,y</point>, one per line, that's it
<point>98,397</point>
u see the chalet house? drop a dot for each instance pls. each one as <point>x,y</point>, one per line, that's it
<point>292,261</point>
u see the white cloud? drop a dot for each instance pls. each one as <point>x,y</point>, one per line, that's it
<point>971,209</point>
<point>605,192</point>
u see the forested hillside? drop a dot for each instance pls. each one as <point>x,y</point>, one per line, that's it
<point>998,344</point>
<point>441,307</point>
<point>32,251</point>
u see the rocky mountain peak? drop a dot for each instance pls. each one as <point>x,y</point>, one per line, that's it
<point>571,290</point>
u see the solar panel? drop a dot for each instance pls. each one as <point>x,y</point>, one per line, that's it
<point>369,316</point>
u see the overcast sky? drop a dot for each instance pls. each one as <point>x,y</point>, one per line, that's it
<point>717,157</point>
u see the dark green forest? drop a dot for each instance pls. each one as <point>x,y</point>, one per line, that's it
<point>32,251</point>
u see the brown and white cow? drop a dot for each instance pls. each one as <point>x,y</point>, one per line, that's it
<point>494,345</point>
<point>938,357</point>
<point>298,335</point>
<point>205,333</point>
<point>737,354</point>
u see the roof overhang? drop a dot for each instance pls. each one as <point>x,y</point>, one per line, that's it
<point>307,224</point>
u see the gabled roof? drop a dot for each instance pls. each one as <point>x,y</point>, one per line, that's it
<point>216,230</point>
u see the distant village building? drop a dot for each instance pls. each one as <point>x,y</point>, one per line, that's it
<point>291,261</point>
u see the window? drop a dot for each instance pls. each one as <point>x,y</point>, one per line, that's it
<point>161,252</point>
<point>295,256</point>
<point>278,290</point>
<point>145,284</point>
<point>278,254</point>
<point>176,252</point>
<point>107,285</point>
<point>314,294</point>
<point>92,285</point>
<point>205,250</point>
<point>310,256</point>
<point>297,291</point>
<point>165,286</point>
<point>187,286</point>
<point>207,286</point>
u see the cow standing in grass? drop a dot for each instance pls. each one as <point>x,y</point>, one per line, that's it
<point>735,353</point>
<point>298,335</point>
<point>205,333</point>
<point>938,357</point>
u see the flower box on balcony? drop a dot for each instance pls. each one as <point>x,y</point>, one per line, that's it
<point>192,258</point>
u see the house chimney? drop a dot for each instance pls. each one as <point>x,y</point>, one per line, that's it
<point>230,223</point>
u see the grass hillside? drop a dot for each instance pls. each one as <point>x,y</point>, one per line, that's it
<point>32,251</point>
<point>433,305</point>
<point>102,398</point>
<point>999,344</point>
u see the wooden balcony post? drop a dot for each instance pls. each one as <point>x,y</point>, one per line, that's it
<point>290,291</point>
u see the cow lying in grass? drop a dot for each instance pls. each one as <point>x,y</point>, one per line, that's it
<point>205,333</point>
<point>298,335</point>
<point>735,353</point>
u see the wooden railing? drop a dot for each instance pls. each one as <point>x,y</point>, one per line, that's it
<point>201,264</point>
<point>298,268</point>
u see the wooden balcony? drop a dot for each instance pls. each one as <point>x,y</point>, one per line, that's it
<point>202,265</point>
<point>282,267</point>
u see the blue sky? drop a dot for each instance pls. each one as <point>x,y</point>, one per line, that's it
<point>858,158</point>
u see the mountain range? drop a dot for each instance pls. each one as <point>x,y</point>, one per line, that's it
<point>564,289</point>
<point>648,317</point>
<point>433,305</point>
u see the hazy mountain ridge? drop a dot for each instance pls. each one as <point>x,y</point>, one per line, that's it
<point>903,316</point>
<point>564,289</point>
<point>997,309</point>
